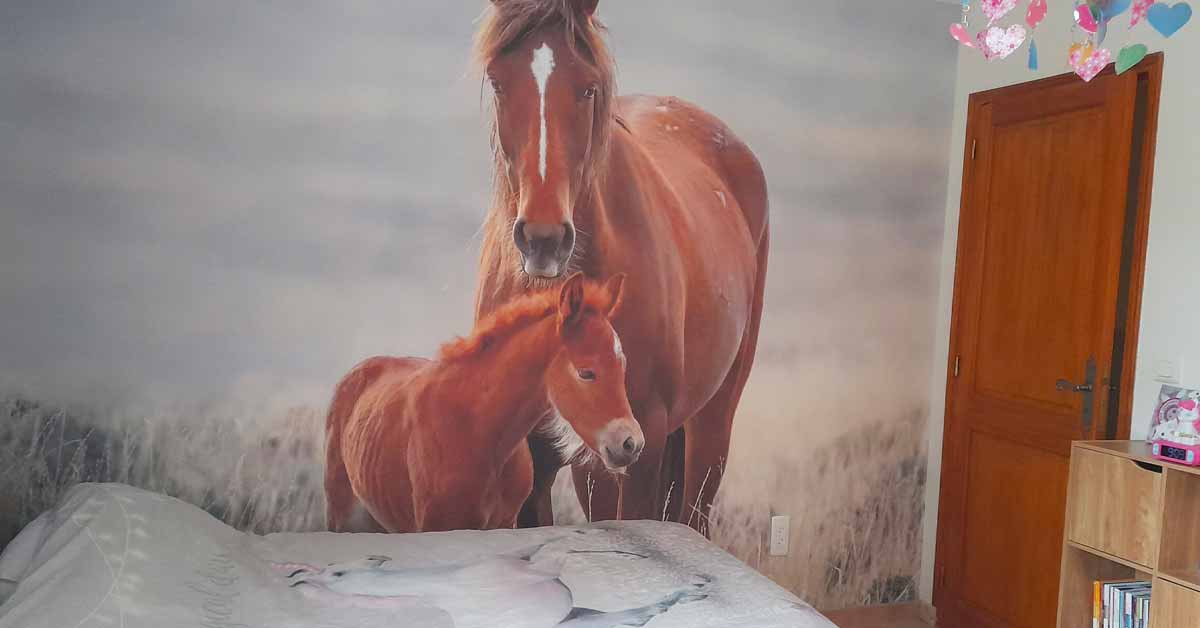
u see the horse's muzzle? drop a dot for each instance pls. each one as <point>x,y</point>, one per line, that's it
<point>545,249</point>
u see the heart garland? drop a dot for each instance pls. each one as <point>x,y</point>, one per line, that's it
<point>960,34</point>
<point>1033,17</point>
<point>1085,18</point>
<point>1140,9</point>
<point>1036,13</point>
<point>1091,17</point>
<point>1167,19</point>
<point>996,9</point>
<point>1130,56</point>
<point>998,43</point>
<point>1087,60</point>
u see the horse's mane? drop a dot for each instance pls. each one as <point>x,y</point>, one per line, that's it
<point>522,311</point>
<point>504,25</point>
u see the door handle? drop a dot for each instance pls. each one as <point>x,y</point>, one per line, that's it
<point>1087,389</point>
<point>1063,384</point>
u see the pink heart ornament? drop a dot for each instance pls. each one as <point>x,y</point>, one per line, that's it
<point>1085,19</point>
<point>960,34</point>
<point>1036,13</point>
<point>996,9</point>
<point>997,43</point>
<point>1088,61</point>
<point>1140,9</point>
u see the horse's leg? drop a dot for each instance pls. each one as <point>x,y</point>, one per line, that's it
<point>671,485</point>
<point>706,442</point>
<point>706,435</point>
<point>640,499</point>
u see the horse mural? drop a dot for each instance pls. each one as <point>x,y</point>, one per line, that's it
<point>650,186</point>
<point>416,445</point>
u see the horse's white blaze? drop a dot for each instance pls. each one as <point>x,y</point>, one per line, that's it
<point>542,66</point>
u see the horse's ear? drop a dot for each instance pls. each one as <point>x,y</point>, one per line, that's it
<point>570,300</point>
<point>615,287</point>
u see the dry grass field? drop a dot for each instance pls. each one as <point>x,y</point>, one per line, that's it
<point>855,528</point>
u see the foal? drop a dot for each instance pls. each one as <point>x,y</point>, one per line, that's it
<point>415,445</point>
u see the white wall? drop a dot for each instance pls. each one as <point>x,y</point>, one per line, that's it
<point>1170,322</point>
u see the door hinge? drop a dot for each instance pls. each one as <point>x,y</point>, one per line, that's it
<point>957,358</point>
<point>974,144</point>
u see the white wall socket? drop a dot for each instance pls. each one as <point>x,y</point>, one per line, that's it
<point>781,532</point>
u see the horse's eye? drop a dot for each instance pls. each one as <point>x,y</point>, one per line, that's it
<point>496,87</point>
<point>587,375</point>
<point>590,92</point>
<point>338,574</point>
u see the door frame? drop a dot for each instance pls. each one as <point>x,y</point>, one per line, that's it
<point>1149,70</point>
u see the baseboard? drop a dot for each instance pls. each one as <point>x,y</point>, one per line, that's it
<point>928,612</point>
<point>867,615</point>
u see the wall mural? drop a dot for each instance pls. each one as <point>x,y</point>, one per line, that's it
<point>512,268</point>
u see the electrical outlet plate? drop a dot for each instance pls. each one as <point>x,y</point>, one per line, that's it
<point>780,534</point>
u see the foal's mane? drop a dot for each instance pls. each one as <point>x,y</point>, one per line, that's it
<point>515,315</point>
<point>504,25</point>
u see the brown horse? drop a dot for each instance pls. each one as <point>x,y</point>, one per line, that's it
<point>417,445</point>
<point>653,187</point>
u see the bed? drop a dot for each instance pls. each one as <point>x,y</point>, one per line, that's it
<point>114,555</point>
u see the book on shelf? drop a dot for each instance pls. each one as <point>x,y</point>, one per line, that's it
<point>1122,603</point>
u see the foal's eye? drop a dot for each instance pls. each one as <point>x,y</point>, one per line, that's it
<point>590,92</point>
<point>338,574</point>
<point>496,87</point>
<point>587,375</point>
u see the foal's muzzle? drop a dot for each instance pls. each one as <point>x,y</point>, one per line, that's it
<point>621,443</point>
<point>545,248</point>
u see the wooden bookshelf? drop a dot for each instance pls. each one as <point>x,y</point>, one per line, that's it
<point>1131,516</point>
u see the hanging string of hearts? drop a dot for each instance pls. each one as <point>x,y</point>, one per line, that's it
<point>1086,56</point>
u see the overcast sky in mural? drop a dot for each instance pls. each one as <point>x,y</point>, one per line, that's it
<point>231,198</point>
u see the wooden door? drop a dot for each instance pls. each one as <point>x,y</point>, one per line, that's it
<point>1051,242</point>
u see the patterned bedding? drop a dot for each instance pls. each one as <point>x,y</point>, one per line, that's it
<point>113,555</point>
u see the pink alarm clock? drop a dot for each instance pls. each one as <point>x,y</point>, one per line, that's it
<point>1176,452</point>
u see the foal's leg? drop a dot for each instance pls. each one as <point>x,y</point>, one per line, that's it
<point>538,509</point>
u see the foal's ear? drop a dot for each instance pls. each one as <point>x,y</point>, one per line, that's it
<point>615,287</point>
<point>570,300</point>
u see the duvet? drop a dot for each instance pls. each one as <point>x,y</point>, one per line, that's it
<point>113,555</point>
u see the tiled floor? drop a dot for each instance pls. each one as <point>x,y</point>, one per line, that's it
<point>893,616</point>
